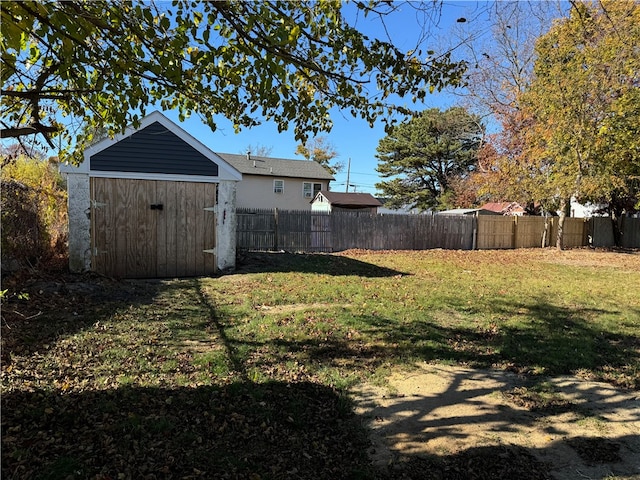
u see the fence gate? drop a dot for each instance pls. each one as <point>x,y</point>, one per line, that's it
<point>152,228</point>
<point>321,232</point>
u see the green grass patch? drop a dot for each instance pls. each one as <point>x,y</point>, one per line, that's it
<point>501,309</point>
<point>148,378</point>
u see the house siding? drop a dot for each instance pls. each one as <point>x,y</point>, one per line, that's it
<point>153,149</point>
<point>255,191</point>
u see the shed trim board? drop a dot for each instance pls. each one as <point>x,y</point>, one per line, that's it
<point>156,203</point>
<point>154,176</point>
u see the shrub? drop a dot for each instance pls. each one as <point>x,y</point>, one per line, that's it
<point>34,213</point>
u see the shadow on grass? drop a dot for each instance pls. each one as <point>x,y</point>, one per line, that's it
<point>245,431</point>
<point>551,340</point>
<point>542,337</point>
<point>322,264</point>
<point>515,462</point>
<point>242,430</point>
<point>466,408</point>
<point>62,307</point>
<point>274,429</point>
<point>278,430</point>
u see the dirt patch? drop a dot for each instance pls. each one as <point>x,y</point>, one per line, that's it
<point>588,257</point>
<point>298,307</point>
<point>561,428</point>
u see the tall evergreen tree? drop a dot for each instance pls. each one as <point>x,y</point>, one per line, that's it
<point>421,157</point>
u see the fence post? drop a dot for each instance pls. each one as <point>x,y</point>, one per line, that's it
<point>514,237</point>
<point>474,240</point>
<point>275,228</point>
<point>585,232</point>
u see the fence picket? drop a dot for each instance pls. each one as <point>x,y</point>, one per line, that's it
<point>306,231</point>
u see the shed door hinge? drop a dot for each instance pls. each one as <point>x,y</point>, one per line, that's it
<point>211,250</point>
<point>96,204</point>
<point>97,252</point>
<point>213,209</point>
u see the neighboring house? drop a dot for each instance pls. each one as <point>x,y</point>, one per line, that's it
<point>586,210</point>
<point>350,202</point>
<point>504,208</point>
<point>467,211</point>
<point>152,202</point>
<point>277,182</point>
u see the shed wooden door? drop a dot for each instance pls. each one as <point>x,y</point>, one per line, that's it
<point>152,229</point>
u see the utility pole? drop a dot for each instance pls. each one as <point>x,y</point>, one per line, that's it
<point>346,190</point>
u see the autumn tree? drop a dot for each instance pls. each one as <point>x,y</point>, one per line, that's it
<point>321,150</point>
<point>583,106</point>
<point>101,65</point>
<point>500,70</point>
<point>420,157</point>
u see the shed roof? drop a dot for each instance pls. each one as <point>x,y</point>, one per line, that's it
<point>350,199</point>
<point>277,167</point>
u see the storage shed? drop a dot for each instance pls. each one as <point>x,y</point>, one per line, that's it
<point>152,202</point>
<point>326,201</point>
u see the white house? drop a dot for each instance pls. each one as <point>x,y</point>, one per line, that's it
<point>269,183</point>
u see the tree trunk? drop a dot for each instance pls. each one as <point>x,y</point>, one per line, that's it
<point>564,206</point>
<point>545,232</point>
<point>616,225</point>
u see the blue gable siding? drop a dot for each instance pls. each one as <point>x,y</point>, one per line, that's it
<point>153,149</point>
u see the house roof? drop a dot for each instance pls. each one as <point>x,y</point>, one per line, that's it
<point>467,211</point>
<point>350,199</point>
<point>503,207</point>
<point>277,167</point>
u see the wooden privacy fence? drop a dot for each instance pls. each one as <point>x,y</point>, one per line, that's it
<point>601,232</point>
<point>526,232</point>
<point>306,231</point>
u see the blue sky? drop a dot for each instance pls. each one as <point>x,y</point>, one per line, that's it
<point>352,138</point>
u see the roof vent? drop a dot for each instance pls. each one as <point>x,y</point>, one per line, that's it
<point>249,157</point>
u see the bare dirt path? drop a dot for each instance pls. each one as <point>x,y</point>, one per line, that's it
<point>574,428</point>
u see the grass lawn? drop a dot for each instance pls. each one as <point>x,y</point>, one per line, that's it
<point>246,375</point>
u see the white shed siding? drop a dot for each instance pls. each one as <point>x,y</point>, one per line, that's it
<point>321,204</point>
<point>79,216</point>
<point>226,225</point>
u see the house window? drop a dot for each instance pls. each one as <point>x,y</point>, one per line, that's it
<point>310,189</point>
<point>278,186</point>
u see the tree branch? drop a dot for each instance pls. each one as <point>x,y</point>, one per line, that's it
<point>33,129</point>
